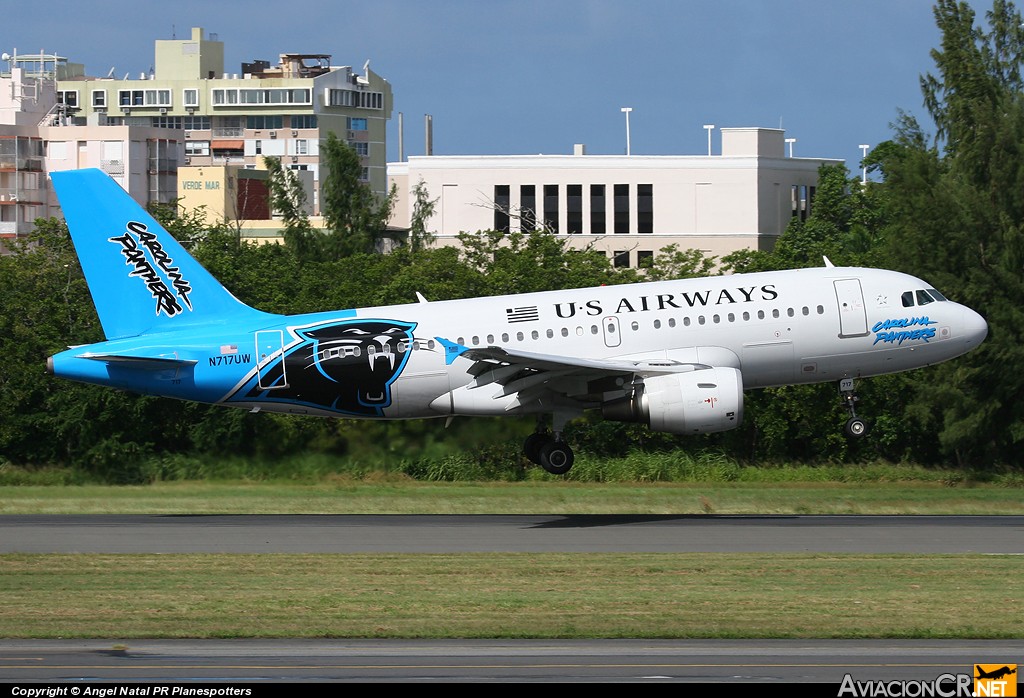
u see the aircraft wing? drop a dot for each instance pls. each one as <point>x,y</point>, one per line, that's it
<point>523,377</point>
<point>488,356</point>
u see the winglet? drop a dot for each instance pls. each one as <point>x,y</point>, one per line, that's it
<point>452,350</point>
<point>420,298</point>
<point>828,262</point>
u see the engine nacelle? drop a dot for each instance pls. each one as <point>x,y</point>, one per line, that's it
<point>699,402</point>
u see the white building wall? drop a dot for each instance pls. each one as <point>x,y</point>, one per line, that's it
<point>719,204</point>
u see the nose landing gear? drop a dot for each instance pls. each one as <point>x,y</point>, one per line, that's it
<point>855,427</point>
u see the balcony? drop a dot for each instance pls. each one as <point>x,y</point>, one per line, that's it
<point>21,164</point>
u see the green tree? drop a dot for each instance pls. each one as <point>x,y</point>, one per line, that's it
<point>288,200</point>
<point>958,209</point>
<point>422,210</point>
<point>355,218</point>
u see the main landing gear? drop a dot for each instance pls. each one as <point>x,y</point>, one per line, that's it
<point>855,426</point>
<point>550,451</point>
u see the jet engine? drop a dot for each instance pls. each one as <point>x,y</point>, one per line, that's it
<point>698,402</point>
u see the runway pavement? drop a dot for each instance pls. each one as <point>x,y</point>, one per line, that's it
<point>244,662</point>
<point>509,533</point>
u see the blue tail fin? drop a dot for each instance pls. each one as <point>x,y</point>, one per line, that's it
<point>141,279</point>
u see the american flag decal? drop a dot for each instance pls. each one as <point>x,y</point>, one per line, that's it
<point>526,314</point>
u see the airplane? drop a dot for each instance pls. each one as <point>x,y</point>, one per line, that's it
<point>995,674</point>
<point>674,355</point>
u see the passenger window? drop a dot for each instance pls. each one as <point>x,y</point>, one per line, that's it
<point>746,316</point>
<point>461,341</point>
<point>686,321</point>
<point>476,341</point>
<point>565,331</point>
<point>657,324</point>
<point>760,315</point>
<point>923,298</point>
<point>789,312</point>
<point>490,339</point>
<point>716,319</point>
<point>806,310</point>
<point>732,318</point>
<point>821,310</point>
<point>519,336</point>
<point>593,329</point>
<point>504,336</point>
<point>700,320</point>
<point>535,334</point>
<point>550,333</point>
<point>671,322</point>
<point>635,325</point>
<point>775,313</point>
<point>908,299</point>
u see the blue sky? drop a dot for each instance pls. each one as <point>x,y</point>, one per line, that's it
<point>537,76</point>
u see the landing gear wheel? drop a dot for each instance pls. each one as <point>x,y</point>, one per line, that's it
<point>533,444</point>
<point>556,457</point>
<point>855,427</point>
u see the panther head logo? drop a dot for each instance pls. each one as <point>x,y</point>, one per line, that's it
<point>345,366</point>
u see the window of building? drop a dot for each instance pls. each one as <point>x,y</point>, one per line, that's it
<point>574,208</point>
<point>551,208</point>
<point>144,98</point>
<point>167,122</point>
<point>502,201</point>
<point>621,196</point>
<point>190,97</point>
<point>301,146</point>
<point>68,98</point>
<point>197,148</point>
<point>264,121</point>
<point>233,95</point>
<point>195,123</point>
<point>362,149</point>
<point>355,98</point>
<point>645,208</point>
<point>597,210</point>
<point>99,99</point>
<point>303,121</point>
<point>621,259</point>
<point>527,207</point>
<point>644,259</point>
<point>357,124</point>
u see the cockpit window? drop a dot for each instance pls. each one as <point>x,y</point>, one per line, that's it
<point>923,298</point>
<point>908,299</point>
<point>936,295</point>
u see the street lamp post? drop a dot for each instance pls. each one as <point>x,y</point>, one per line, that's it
<point>863,156</point>
<point>626,110</point>
<point>710,128</point>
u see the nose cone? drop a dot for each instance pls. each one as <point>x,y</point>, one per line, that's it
<point>975,328</point>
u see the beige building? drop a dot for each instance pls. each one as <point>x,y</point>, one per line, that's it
<point>188,113</point>
<point>629,206</point>
<point>238,117</point>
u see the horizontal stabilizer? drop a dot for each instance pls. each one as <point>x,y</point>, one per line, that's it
<point>153,363</point>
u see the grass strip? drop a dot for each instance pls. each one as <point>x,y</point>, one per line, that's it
<point>550,595</point>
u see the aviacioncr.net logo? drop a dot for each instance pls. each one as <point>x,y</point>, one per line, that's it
<point>943,686</point>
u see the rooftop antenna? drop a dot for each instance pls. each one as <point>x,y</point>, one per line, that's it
<point>111,73</point>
